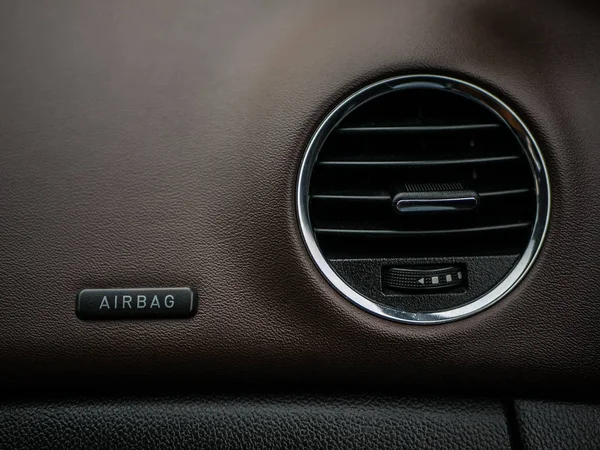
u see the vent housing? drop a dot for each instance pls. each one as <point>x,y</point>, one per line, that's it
<point>472,187</point>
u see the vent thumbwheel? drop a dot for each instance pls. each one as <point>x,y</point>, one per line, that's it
<point>423,199</point>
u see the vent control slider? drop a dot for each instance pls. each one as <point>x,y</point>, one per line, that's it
<point>422,279</point>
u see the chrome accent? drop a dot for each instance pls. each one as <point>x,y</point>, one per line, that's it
<point>484,98</point>
<point>435,202</point>
<point>436,205</point>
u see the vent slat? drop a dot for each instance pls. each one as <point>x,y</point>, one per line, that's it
<point>418,128</point>
<point>388,198</point>
<point>361,198</point>
<point>504,193</point>
<point>411,233</point>
<point>422,163</point>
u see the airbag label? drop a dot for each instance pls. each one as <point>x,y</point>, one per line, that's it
<point>135,303</point>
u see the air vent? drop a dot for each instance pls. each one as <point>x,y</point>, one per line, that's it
<point>420,171</point>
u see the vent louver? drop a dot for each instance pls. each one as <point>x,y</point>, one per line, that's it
<point>419,170</point>
<point>420,140</point>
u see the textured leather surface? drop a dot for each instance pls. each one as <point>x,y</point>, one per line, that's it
<point>253,423</point>
<point>553,426</point>
<point>152,143</point>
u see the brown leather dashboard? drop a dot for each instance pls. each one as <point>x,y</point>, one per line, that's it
<point>151,143</point>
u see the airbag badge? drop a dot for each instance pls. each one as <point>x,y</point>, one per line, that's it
<point>161,303</point>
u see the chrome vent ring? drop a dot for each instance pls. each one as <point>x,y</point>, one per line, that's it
<point>415,135</point>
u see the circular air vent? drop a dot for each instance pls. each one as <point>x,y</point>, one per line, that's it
<point>423,199</point>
